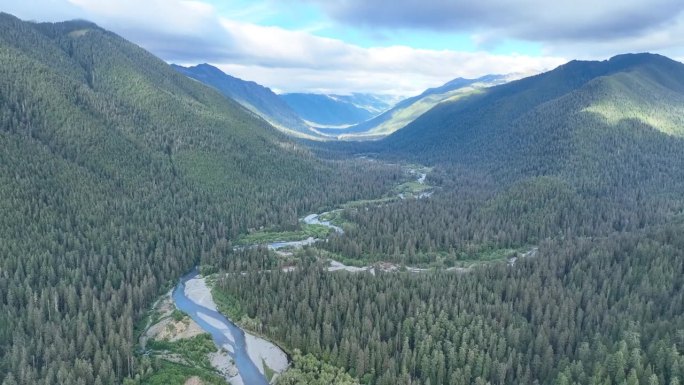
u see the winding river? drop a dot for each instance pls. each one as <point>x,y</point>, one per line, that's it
<point>249,353</point>
<point>197,303</point>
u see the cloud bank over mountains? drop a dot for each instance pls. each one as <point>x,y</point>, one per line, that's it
<point>289,60</point>
<point>534,20</point>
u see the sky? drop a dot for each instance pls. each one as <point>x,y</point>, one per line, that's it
<point>398,47</point>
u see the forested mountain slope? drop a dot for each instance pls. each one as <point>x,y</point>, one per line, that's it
<point>584,150</point>
<point>411,108</point>
<point>564,112</point>
<point>117,174</point>
<point>257,98</point>
<point>583,165</point>
<point>583,311</point>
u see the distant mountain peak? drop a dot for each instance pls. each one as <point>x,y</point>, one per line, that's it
<point>336,109</point>
<point>639,57</point>
<point>636,59</point>
<point>257,98</point>
<point>405,111</point>
<point>204,67</point>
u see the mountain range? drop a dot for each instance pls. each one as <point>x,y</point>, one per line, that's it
<point>627,90</point>
<point>119,173</point>
<point>605,127</point>
<point>357,116</point>
<point>407,110</point>
<point>322,110</point>
<point>297,114</point>
<point>255,97</point>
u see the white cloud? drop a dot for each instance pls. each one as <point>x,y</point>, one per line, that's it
<point>668,41</point>
<point>532,20</point>
<point>162,26</point>
<point>191,31</point>
<point>41,10</point>
<point>295,61</point>
<point>186,17</point>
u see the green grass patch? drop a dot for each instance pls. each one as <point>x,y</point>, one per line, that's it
<point>194,350</point>
<point>336,218</point>
<point>177,315</point>
<point>170,373</point>
<point>268,372</point>
<point>262,237</point>
<point>412,187</point>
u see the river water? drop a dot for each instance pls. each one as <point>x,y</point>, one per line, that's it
<point>224,333</point>
<point>200,307</point>
<point>314,219</point>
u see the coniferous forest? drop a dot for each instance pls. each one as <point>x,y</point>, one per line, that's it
<point>118,175</point>
<point>585,311</point>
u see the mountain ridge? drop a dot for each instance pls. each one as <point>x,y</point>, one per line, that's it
<point>257,98</point>
<point>325,110</point>
<point>118,175</point>
<point>564,117</point>
<point>407,110</point>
